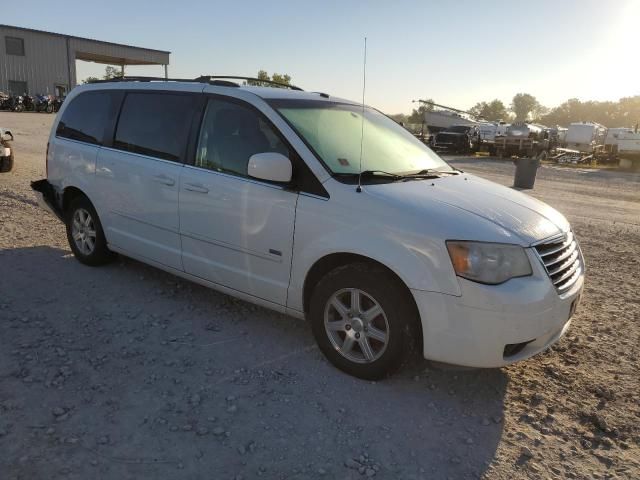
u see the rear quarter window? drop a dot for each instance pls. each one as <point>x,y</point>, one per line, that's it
<point>86,118</point>
<point>155,124</point>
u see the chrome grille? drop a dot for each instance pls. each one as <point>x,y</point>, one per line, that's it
<point>562,260</point>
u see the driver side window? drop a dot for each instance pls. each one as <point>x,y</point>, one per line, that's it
<point>231,134</point>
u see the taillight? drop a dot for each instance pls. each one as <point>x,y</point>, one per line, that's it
<point>46,161</point>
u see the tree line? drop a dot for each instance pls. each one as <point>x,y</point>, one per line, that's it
<point>525,107</point>
<point>262,78</point>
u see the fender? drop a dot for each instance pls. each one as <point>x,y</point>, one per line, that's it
<point>419,261</point>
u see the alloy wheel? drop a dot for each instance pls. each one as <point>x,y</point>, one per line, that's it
<point>356,325</point>
<point>83,231</point>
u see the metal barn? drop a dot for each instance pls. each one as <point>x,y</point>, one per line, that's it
<point>35,61</point>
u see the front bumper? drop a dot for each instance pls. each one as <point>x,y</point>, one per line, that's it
<point>495,325</point>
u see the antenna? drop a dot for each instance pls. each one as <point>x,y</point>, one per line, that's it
<point>364,85</point>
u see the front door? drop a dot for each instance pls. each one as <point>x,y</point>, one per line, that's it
<point>138,177</point>
<point>236,231</point>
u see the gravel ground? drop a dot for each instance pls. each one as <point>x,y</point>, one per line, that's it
<point>125,372</point>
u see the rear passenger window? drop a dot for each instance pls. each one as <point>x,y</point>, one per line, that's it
<point>85,118</point>
<point>155,124</point>
<point>230,134</point>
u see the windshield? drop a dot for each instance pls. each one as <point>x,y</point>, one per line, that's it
<point>458,129</point>
<point>334,131</point>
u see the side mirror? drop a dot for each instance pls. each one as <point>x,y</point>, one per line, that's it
<point>270,166</point>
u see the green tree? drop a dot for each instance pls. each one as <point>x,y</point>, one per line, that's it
<point>491,111</point>
<point>417,115</point>
<point>399,118</point>
<point>109,73</point>
<point>112,72</point>
<point>91,80</point>
<point>276,77</point>
<point>525,106</point>
<point>623,113</point>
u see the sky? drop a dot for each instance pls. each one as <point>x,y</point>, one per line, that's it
<point>456,52</point>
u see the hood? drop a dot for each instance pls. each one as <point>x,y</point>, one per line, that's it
<point>521,215</point>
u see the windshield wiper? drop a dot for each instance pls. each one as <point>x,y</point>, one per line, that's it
<point>374,174</point>
<point>381,173</point>
<point>429,173</point>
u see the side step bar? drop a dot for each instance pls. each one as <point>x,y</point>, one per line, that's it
<point>47,198</point>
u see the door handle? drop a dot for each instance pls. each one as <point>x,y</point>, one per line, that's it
<point>193,187</point>
<point>164,180</point>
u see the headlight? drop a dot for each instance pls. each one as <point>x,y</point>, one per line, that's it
<point>491,263</point>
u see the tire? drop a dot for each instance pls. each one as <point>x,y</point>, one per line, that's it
<point>49,108</point>
<point>88,249</point>
<point>389,335</point>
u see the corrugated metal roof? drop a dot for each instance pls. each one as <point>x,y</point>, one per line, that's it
<point>82,38</point>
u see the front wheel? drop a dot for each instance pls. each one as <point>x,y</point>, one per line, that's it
<point>363,320</point>
<point>85,235</point>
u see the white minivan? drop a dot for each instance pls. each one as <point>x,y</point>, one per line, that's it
<point>316,207</point>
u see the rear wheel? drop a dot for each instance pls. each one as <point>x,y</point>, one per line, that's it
<point>363,320</point>
<point>85,235</point>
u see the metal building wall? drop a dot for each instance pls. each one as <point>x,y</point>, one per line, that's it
<point>49,58</point>
<point>43,66</point>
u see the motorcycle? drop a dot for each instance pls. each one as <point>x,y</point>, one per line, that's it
<point>43,103</point>
<point>18,103</point>
<point>11,103</point>
<point>28,103</point>
<point>57,103</point>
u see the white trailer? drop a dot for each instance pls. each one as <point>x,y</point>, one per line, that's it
<point>585,137</point>
<point>612,140</point>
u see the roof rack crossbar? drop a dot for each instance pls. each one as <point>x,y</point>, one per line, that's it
<point>221,80</point>
<point>145,79</point>
<point>211,78</point>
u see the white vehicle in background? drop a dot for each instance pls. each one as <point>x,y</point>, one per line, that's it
<point>502,128</point>
<point>561,136</point>
<point>488,131</point>
<point>613,136</point>
<point>585,137</point>
<point>6,152</point>
<point>437,120</point>
<point>258,192</point>
<point>629,149</point>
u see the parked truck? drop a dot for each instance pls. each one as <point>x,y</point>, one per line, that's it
<point>523,140</point>
<point>458,139</point>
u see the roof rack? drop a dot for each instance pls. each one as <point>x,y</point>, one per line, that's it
<point>221,80</point>
<point>143,79</point>
<point>213,78</point>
